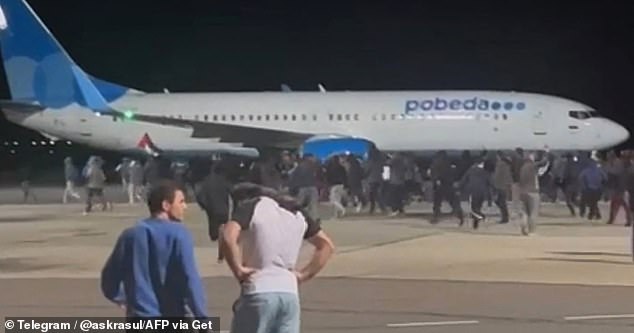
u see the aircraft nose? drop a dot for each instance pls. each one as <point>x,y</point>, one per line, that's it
<point>618,133</point>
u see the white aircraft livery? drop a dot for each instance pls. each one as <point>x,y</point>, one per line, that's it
<point>51,94</point>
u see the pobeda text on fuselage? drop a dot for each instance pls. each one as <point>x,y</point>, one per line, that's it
<point>472,104</point>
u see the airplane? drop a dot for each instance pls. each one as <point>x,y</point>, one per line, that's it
<point>51,94</point>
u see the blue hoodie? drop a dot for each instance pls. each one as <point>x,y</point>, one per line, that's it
<point>592,177</point>
<point>153,271</point>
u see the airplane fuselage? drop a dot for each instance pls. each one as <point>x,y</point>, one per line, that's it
<point>394,121</point>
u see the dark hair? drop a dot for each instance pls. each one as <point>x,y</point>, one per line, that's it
<point>164,190</point>
<point>248,191</point>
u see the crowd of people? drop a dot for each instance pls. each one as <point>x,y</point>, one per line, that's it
<point>390,182</point>
<point>517,182</point>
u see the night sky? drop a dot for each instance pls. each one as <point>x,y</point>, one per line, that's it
<point>582,50</point>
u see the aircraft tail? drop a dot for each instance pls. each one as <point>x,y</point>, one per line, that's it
<point>39,70</point>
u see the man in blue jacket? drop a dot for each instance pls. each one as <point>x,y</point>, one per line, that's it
<point>592,181</point>
<point>152,271</point>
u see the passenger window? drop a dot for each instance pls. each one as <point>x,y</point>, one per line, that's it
<point>206,118</point>
<point>285,117</point>
<point>241,117</point>
<point>347,117</point>
<point>314,117</point>
<point>339,117</point>
<point>215,117</point>
<point>196,117</point>
<point>267,117</point>
<point>393,117</point>
<point>383,117</point>
<point>224,117</point>
<point>331,117</point>
<point>250,117</point>
<point>275,117</point>
<point>504,116</point>
<point>293,118</point>
<point>304,118</point>
<point>356,117</point>
<point>259,118</point>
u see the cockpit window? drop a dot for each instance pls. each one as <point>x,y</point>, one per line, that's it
<point>579,114</point>
<point>584,114</point>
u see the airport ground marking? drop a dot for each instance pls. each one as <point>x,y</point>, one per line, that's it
<point>595,317</point>
<point>432,323</point>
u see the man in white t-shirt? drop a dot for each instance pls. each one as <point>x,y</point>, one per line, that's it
<point>271,229</point>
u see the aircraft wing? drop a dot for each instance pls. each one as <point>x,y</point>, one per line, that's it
<point>231,133</point>
<point>232,137</point>
<point>193,147</point>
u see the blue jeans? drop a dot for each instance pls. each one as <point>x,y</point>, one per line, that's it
<point>266,312</point>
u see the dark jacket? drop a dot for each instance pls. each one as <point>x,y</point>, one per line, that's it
<point>441,172</point>
<point>374,169</point>
<point>355,175</point>
<point>304,175</point>
<point>503,174</point>
<point>517,161</point>
<point>335,173</point>
<point>214,197</point>
<point>592,178</point>
<point>476,181</point>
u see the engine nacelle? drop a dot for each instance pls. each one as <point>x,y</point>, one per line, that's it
<point>324,148</point>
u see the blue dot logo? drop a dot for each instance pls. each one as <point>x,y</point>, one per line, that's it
<point>508,106</point>
<point>495,106</point>
<point>520,106</point>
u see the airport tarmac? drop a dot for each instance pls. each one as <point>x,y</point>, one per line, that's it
<point>397,274</point>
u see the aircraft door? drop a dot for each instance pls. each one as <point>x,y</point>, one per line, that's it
<point>538,123</point>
